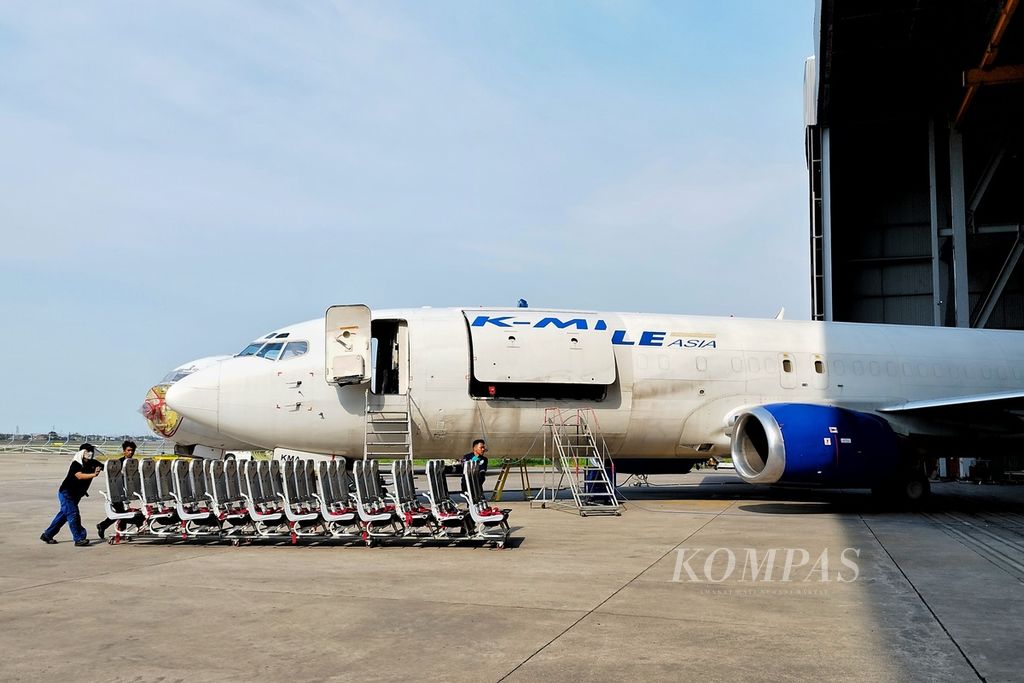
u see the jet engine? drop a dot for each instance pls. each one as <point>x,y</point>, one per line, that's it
<point>805,444</point>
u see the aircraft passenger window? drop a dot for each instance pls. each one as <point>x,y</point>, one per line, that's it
<point>270,351</point>
<point>294,349</point>
<point>250,350</point>
<point>874,368</point>
<point>787,365</point>
<point>819,367</point>
<point>838,367</point>
<point>737,365</point>
<point>754,364</point>
<point>858,367</point>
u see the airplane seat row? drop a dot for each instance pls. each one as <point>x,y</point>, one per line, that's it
<point>292,500</point>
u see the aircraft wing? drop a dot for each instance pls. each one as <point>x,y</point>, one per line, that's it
<point>992,414</point>
<point>999,400</point>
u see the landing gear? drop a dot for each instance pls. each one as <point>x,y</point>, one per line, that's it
<point>911,488</point>
<point>916,488</point>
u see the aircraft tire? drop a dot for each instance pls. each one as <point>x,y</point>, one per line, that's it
<point>910,490</point>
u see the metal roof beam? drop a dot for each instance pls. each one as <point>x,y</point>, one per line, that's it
<point>999,75</point>
<point>991,50</point>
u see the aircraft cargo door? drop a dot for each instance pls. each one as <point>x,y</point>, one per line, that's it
<point>543,358</point>
<point>347,344</point>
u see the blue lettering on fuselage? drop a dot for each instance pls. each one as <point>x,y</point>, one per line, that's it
<point>499,321</point>
<point>620,337</point>
<point>580,323</point>
<point>648,338</point>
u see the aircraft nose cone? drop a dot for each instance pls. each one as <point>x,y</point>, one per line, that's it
<point>196,396</point>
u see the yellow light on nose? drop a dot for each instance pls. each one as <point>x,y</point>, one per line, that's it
<point>158,414</point>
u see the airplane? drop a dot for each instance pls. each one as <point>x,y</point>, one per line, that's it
<point>842,405</point>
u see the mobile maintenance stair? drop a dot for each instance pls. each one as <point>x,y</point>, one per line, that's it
<point>575,449</point>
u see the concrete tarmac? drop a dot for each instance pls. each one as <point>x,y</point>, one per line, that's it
<point>679,587</point>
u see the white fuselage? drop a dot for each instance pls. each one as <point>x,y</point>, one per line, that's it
<point>672,385</point>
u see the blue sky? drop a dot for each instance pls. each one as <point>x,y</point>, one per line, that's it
<point>181,177</point>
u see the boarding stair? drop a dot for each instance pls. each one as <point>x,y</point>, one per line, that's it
<point>580,456</point>
<point>387,431</point>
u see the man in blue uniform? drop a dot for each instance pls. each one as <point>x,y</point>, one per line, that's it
<point>84,468</point>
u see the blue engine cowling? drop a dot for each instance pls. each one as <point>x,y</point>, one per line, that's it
<point>799,443</point>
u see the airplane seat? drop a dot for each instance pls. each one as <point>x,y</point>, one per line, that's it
<point>192,511</point>
<point>491,522</point>
<point>413,513</point>
<point>227,509</point>
<point>117,492</point>
<point>376,517</point>
<point>263,509</point>
<point>448,517</point>
<point>334,508</point>
<point>160,516</point>
<point>301,522</point>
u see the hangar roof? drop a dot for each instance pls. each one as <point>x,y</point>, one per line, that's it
<point>897,59</point>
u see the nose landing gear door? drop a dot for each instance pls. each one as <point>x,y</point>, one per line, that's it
<point>348,344</point>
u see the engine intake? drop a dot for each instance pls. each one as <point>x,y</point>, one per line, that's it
<point>798,443</point>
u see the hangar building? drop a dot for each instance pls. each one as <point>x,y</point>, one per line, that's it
<point>915,125</point>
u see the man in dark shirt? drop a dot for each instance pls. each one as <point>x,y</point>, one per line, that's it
<point>127,453</point>
<point>84,468</point>
<point>477,454</point>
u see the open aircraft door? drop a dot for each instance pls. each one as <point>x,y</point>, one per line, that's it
<point>348,344</point>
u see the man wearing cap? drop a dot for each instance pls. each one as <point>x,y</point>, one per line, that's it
<point>84,468</point>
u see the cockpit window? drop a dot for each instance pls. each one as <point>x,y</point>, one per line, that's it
<point>270,336</point>
<point>294,349</point>
<point>271,351</point>
<point>250,350</point>
<point>283,335</point>
<point>174,375</point>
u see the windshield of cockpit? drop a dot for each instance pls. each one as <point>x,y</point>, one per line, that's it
<point>176,374</point>
<point>275,346</point>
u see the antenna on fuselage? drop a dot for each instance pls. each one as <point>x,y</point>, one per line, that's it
<point>781,314</point>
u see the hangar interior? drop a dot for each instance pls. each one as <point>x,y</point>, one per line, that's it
<point>915,114</point>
